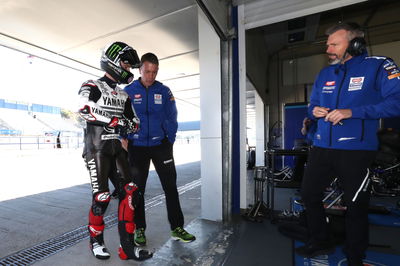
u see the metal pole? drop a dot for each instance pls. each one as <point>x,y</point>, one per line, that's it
<point>226,90</point>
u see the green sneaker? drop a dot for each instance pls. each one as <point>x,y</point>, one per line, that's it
<point>140,237</point>
<point>180,234</point>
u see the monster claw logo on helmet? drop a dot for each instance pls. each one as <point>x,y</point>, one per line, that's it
<point>113,51</point>
<point>112,57</point>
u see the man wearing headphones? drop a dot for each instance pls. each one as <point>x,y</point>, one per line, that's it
<point>348,99</point>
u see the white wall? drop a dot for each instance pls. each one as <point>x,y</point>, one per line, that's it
<point>210,109</point>
<point>260,134</point>
<point>305,69</point>
<point>300,71</point>
<point>388,49</point>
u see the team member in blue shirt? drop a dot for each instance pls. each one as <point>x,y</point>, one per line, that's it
<point>348,99</point>
<point>156,109</point>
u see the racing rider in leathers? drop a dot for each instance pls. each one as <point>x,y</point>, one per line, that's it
<point>109,115</point>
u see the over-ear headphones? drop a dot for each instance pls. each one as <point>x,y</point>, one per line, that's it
<point>357,46</point>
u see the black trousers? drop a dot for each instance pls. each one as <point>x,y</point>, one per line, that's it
<point>298,170</point>
<point>351,168</point>
<point>163,161</point>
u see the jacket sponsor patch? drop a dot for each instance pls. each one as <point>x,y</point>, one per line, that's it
<point>137,99</point>
<point>328,87</point>
<point>388,64</point>
<point>397,75</point>
<point>157,98</point>
<point>356,83</point>
<point>390,67</point>
<point>393,72</point>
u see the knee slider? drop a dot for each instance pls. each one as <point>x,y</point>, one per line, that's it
<point>100,203</point>
<point>130,188</point>
<point>136,194</point>
<point>126,205</point>
<point>131,191</point>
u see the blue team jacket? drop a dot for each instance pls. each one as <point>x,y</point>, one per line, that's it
<point>370,87</point>
<point>156,109</point>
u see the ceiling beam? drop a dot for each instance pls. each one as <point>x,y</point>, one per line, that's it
<point>129,27</point>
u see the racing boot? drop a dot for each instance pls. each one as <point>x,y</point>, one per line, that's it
<point>128,248</point>
<point>126,226</point>
<point>98,248</point>
<point>96,225</point>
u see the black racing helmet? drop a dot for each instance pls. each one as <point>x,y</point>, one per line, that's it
<point>112,55</point>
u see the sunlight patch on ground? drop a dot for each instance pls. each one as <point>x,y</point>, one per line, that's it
<point>29,172</point>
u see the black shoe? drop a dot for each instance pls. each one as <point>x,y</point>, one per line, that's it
<point>128,249</point>
<point>312,250</point>
<point>354,262</point>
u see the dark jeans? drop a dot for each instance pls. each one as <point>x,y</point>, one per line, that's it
<point>163,160</point>
<point>351,168</point>
<point>298,171</point>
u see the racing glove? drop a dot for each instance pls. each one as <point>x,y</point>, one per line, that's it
<point>115,124</point>
<point>130,126</point>
<point>115,121</point>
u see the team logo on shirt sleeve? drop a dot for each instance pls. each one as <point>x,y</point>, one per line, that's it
<point>171,96</point>
<point>328,87</point>
<point>391,69</point>
<point>393,73</point>
<point>356,83</point>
